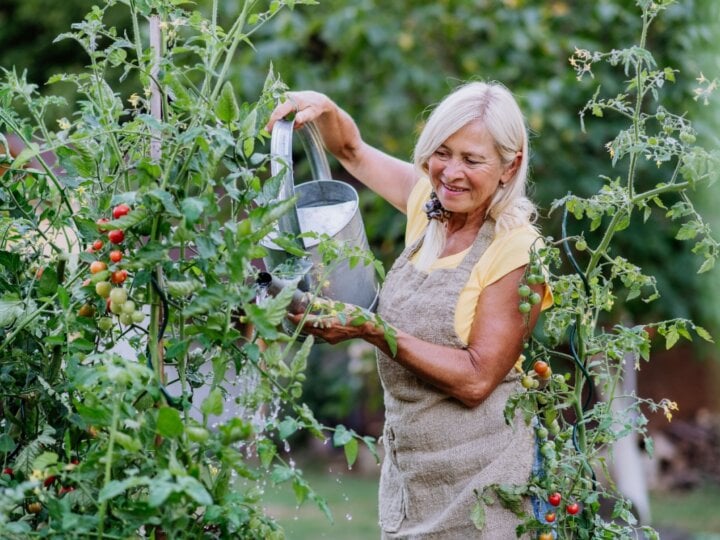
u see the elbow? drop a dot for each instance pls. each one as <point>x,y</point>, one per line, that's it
<point>476,388</point>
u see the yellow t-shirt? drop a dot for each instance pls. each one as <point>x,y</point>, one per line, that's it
<point>508,250</point>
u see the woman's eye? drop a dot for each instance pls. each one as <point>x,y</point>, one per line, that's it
<point>472,162</point>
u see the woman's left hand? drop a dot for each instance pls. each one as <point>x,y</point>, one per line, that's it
<point>330,328</point>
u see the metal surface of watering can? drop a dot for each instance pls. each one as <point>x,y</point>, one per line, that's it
<point>325,206</point>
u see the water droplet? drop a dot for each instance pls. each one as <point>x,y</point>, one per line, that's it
<point>348,517</point>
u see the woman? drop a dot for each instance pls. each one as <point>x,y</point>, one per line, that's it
<point>452,297</point>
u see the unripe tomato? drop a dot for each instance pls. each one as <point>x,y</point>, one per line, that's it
<point>534,298</point>
<point>581,245</point>
<point>86,310</point>
<point>34,507</point>
<point>115,308</point>
<point>98,245</point>
<point>687,137</point>
<point>138,317</point>
<point>524,290</point>
<point>126,319</point>
<point>97,266</point>
<point>550,517</point>
<point>546,536</point>
<point>118,296</point>
<point>528,382</point>
<point>103,288</point>
<point>105,324</point>
<point>542,433</point>
<point>128,307</point>
<point>542,368</point>
<point>116,236</point>
<point>555,498</point>
<point>524,307</point>
<point>119,276</point>
<point>197,434</point>
<point>120,210</point>
<point>572,508</point>
<point>116,255</point>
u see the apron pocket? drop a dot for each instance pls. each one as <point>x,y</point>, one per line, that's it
<point>391,498</point>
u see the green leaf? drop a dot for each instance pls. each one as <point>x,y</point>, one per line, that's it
<point>192,208</point>
<point>213,403</point>
<point>195,490</point>
<point>7,444</point>
<point>351,451</point>
<point>44,460</point>
<point>48,283</point>
<point>117,487</point>
<point>708,264</point>
<point>287,427</point>
<point>169,423</point>
<point>478,515</point>
<point>266,450</point>
<point>341,436</point>
<point>301,490</point>
<point>671,338</point>
<point>10,311</point>
<point>703,333</point>
<point>227,109</point>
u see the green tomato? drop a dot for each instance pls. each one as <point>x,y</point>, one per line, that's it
<point>524,290</point>
<point>105,324</point>
<point>534,298</point>
<point>524,307</point>
<point>542,433</point>
<point>581,245</point>
<point>687,137</point>
<point>528,382</point>
<point>115,308</point>
<point>128,307</point>
<point>197,434</point>
<point>138,317</point>
<point>126,319</point>
<point>118,295</point>
<point>103,288</point>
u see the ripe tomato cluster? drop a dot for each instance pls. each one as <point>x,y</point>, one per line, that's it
<point>540,373</point>
<point>108,277</point>
<point>555,499</point>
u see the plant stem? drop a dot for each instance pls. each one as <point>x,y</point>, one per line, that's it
<point>108,462</point>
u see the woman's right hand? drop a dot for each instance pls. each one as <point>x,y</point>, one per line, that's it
<point>307,106</point>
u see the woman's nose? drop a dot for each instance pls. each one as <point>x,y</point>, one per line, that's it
<point>453,168</point>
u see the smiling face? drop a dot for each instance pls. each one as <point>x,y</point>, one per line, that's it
<point>466,171</point>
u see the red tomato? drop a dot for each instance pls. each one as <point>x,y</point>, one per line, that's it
<point>49,481</point>
<point>118,276</point>
<point>8,471</point>
<point>116,236</point>
<point>550,517</point>
<point>65,489</point>
<point>116,255</point>
<point>542,368</point>
<point>98,244</point>
<point>555,499</point>
<point>97,266</point>
<point>120,210</point>
<point>100,222</point>
<point>572,508</point>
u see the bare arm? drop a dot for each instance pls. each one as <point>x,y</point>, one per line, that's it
<point>468,374</point>
<point>389,177</point>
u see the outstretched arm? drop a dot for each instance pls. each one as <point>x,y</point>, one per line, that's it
<point>389,177</point>
<point>470,374</point>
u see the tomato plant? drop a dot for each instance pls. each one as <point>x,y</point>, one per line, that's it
<point>177,172</point>
<point>573,414</point>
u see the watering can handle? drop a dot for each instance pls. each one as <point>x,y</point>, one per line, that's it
<point>282,163</point>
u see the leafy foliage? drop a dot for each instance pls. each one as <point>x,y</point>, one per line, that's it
<point>131,231</point>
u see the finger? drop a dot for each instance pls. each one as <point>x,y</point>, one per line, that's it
<point>287,107</point>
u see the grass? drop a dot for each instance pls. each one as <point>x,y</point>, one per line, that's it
<point>352,499</point>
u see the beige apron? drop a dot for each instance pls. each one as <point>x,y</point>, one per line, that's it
<point>437,450</point>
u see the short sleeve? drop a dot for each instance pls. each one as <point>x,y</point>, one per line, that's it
<point>509,250</point>
<point>416,218</point>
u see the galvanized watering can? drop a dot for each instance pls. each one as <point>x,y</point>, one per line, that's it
<point>323,206</point>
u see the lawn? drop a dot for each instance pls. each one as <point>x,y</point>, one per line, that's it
<point>352,498</point>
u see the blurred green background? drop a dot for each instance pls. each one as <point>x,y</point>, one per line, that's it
<point>386,63</point>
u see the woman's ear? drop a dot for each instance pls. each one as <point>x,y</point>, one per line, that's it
<point>512,168</point>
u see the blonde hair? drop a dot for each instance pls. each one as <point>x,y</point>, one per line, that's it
<point>494,105</point>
